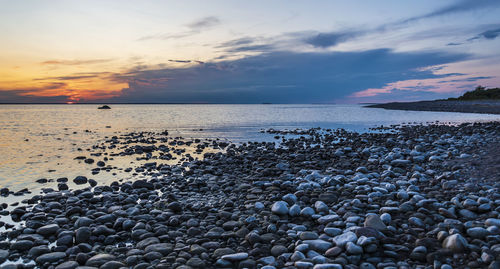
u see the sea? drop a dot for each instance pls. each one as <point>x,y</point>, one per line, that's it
<point>42,141</point>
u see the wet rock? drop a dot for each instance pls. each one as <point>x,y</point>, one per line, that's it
<point>21,245</point>
<point>50,257</point>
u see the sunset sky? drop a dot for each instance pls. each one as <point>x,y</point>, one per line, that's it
<point>246,51</point>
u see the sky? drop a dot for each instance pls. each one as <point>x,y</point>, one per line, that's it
<point>54,51</point>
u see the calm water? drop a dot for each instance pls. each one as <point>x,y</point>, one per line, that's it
<point>41,141</point>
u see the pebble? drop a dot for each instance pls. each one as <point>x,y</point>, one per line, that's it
<point>280,208</point>
<point>456,243</point>
<point>371,200</point>
<point>235,257</point>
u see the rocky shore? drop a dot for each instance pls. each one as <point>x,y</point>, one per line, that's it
<point>478,106</point>
<point>419,197</point>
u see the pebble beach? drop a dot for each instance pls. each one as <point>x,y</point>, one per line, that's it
<point>421,196</point>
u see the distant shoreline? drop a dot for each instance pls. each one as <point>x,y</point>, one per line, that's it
<point>476,106</point>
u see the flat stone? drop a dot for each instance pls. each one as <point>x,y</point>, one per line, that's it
<point>327,219</point>
<point>341,240</point>
<point>99,259</point>
<point>67,265</point>
<point>332,231</point>
<point>319,244</point>
<point>48,229</point>
<point>21,245</point>
<point>223,251</point>
<point>50,257</point>
<point>477,232</point>
<point>492,222</point>
<point>308,235</point>
<point>112,265</point>
<point>235,257</point>
<point>163,248</point>
<point>328,266</point>
<point>146,242</point>
<point>38,250</point>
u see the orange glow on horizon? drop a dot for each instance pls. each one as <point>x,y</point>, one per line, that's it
<point>75,87</point>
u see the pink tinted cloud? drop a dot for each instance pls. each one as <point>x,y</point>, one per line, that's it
<point>453,85</point>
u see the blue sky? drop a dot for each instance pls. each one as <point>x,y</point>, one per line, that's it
<point>246,52</point>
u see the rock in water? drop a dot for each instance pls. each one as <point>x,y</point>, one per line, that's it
<point>456,243</point>
<point>104,107</point>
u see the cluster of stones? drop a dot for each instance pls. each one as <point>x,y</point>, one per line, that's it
<point>328,199</point>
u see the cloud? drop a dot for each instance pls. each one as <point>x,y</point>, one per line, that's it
<point>282,77</point>
<point>186,61</point>
<point>330,39</point>
<point>467,79</point>
<point>73,77</point>
<point>437,86</point>
<point>325,40</point>
<point>33,94</point>
<point>204,23</point>
<point>460,6</point>
<point>489,34</point>
<point>194,27</point>
<point>75,62</point>
<point>18,96</point>
<point>237,42</point>
<point>251,44</point>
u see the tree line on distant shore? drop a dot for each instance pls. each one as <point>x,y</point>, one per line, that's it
<point>480,93</point>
